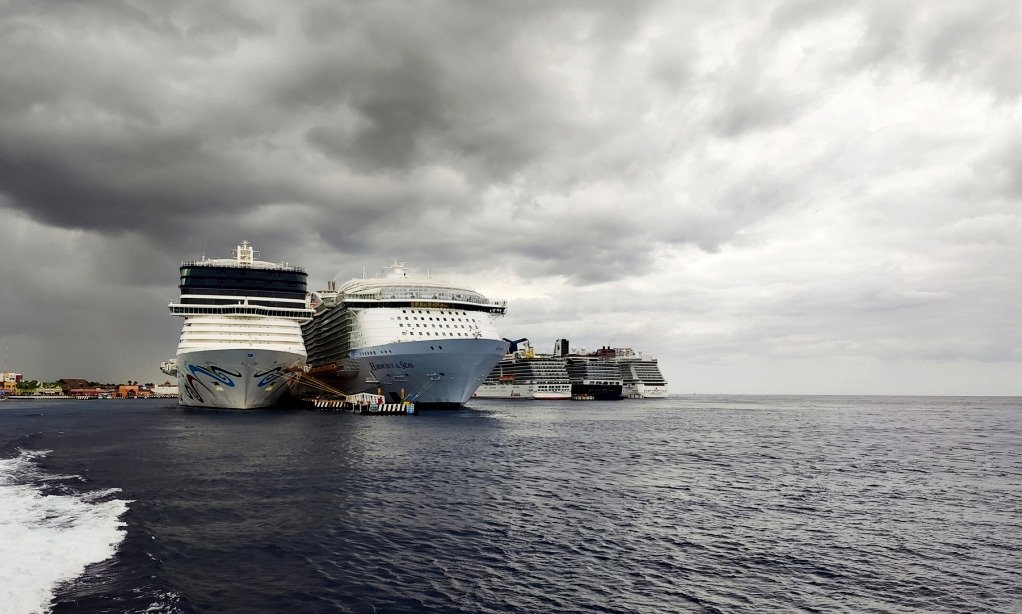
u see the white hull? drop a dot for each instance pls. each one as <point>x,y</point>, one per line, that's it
<point>643,391</point>
<point>237,378</point>
<point>433,372</point>
<point>524,391</point>
<point>552,396</point>
<point>504,391</point>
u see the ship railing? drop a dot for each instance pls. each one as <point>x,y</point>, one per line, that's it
<point>246,310</point>
<point>230,264</point>
<point>499,305</point>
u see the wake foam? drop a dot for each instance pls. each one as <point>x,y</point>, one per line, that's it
<point>48,539</point>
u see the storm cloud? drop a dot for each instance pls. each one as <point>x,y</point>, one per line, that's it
<point>780,196</point>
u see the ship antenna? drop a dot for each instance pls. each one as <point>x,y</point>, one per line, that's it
<point>363,271</point>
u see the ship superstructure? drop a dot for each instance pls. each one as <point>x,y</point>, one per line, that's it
<point>594,376</point>
<point>524,374</point>
<point>241,344</point>
<point>404,336</point>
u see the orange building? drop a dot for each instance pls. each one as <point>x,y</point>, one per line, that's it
<point>127,392</point>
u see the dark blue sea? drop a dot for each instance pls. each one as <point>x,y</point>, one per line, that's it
<point>700,504</point>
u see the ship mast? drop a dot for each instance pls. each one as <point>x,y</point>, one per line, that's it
<point>244,254</point>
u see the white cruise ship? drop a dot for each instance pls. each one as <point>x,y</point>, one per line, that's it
<point>522,374</point>
<point>404,336</point>
<point>640,375</point>
<point>241,345</point>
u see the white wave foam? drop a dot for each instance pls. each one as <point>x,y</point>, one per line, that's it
<point>49,539</point>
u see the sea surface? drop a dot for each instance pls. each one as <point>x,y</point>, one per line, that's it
<point>695,503</point>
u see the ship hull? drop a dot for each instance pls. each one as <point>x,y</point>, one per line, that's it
<point>240,378</point>
<point>644,391</point>
<point>513,392</point>
<point>598,391</point>
<point>552,396</point>
<point>434,374</point>
<point>516,392</point>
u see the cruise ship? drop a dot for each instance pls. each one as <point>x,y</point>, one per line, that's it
<point>594,377</point>
<point>640,375</point>
<point>523,374</point>
<point>403,336</point>
<point>241,345</point>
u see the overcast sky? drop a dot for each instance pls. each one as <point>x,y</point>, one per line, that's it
<point>772,197</point>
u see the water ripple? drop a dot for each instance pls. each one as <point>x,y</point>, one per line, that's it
<point>704,504</point>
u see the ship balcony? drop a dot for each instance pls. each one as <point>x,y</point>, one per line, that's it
<point>239,310</point>
<point>433,299</point>
<point>235,264</point>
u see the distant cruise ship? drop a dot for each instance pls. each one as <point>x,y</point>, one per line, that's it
<point>607,374</point>
<point>640,375</point>
<point>404,336</point>
<point>595,377</point>
<point>241,344</point>
<point>523,374</point>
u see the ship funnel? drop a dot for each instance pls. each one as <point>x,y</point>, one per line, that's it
<point>561,347</point>
<point>513,345</point>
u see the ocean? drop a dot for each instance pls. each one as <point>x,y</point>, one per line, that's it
<point>685,504</point>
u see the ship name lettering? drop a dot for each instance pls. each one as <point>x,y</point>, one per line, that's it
<point>375,366</point>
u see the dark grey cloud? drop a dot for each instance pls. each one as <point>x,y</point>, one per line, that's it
<point>578,150</point>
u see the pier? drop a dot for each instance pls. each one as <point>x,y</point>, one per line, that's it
<point>360,403</point>
<point>364,403</point>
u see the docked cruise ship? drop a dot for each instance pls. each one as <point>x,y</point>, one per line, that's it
<point>608,373</point>
<point>241,345</point>
<point>594,377</point>
<point>523,374</point>
<point>640,375</point>
<point>406,337</point>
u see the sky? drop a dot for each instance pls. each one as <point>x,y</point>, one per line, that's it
<point>789,197</point>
